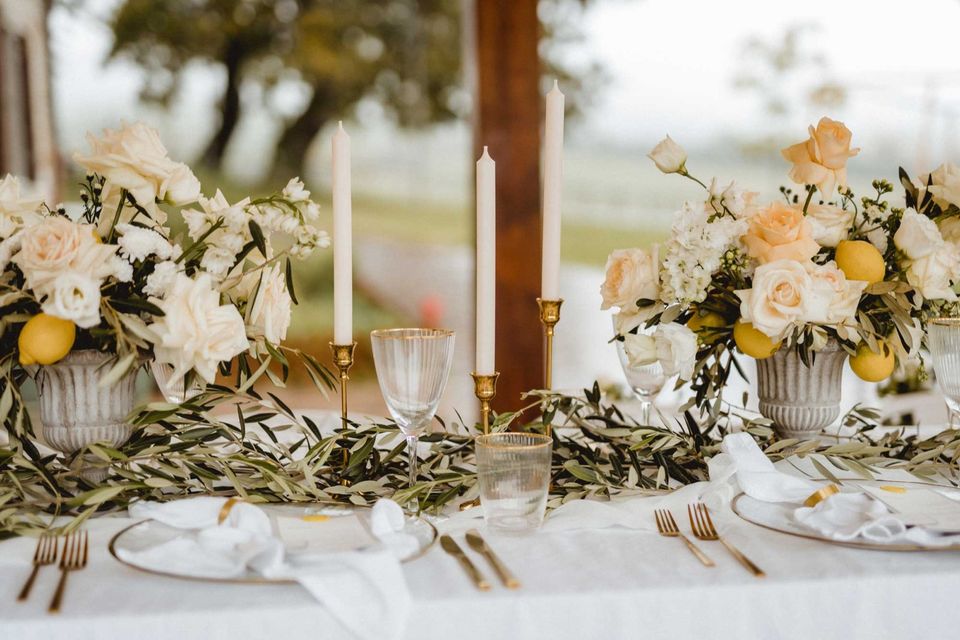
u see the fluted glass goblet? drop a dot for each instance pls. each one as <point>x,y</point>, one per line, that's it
<point>944,343</point>
<point>646,381</point>
<point>412,367</point>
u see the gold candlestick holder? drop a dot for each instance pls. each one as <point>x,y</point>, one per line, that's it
<point>485,388</point>
<point>343,359</point>
<point>549,316</point>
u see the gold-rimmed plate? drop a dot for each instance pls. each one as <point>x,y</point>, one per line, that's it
<point>777,517</point>
<point>147,533</point>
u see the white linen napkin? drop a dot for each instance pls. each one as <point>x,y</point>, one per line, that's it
<point>845,516</point>
<point>365,590</point>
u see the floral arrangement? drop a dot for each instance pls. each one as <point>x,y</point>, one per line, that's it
<point>115,278</point>
<point>818,266</point>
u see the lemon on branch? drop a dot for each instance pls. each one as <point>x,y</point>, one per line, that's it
<point>707,323</point>
<point>860,260</point>
<point>872,366</point>
<point>754,342</point>
<point>45,339</point>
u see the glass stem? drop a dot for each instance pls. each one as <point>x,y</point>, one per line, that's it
<point>412,454</point>
<point>645,412</point>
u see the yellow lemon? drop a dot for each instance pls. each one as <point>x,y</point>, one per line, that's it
<point>710,320</point>
<point>45,339</point>
<point>860,260</point>
<point>754,342</point>
<point>873,367</point>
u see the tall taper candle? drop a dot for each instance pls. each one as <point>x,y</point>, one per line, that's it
<point>552,186</point>
<point>486,263</point>
<point>342,241</point>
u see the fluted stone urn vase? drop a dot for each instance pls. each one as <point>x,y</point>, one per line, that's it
<point>75,411</point>
<point>801,400</point>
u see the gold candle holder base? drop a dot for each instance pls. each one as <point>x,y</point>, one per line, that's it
<point>485,388</point>
<point>343,360</point>
<point>549,316</point>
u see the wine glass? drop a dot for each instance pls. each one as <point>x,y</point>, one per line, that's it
<point>412,368</point>
<point>646,381</point>
<point>944,342</point>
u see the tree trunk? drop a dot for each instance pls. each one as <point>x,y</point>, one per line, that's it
<point>296,138</point>
<point>229,107</point>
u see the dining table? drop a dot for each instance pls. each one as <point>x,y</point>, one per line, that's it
<point>579,584</point>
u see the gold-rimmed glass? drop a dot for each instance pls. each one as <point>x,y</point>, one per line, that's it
<point>514,474</point>
<point>943,338</point>
<point>412,368</point>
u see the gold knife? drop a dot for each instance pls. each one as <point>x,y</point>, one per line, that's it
<point>450,546</point>
<point>478,544</point>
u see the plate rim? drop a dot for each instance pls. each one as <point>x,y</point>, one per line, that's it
<point>866,546</point>
<point>111,548</point>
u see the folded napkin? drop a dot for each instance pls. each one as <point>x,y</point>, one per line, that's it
<point>846,516</point>
<point>365,590</point>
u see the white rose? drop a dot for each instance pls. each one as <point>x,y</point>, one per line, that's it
<point>131,158</point>
<point>918,236</point>
<point>835,299</point>
<point>641,349</point>
<point>676,349</point>
<point>633,317</point>
<point>934,274</point>
<point>632,274</point>
<point>782,295</point>
<point>944,187</point>
<point>196,331</point>
<point>268,314</point>
<point>16,211</point>
<point>74,297</point>
<point>181,186</point>
<point>830,224</point>
<point>669,156</point>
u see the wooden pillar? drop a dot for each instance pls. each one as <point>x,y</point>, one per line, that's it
<point>508,108</point>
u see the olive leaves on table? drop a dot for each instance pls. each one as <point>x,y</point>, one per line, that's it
<point>237,441</point>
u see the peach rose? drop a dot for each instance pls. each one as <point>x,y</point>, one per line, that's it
<point>780,232</point>
<point>632,274</point>
<point>822,159</point>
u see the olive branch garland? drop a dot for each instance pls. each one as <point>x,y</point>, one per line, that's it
<point>239,442</point>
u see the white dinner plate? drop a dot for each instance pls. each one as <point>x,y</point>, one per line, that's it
<point>148,533</point>
<point>778,517</point>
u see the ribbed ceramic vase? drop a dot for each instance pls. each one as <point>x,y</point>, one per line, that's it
<point>75,411</point>
<point>801,400</point>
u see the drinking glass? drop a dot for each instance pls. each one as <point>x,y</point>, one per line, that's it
<point>646,381</point>
<point>514,474</point>
<point>174,392</point>
<point>944,342</point>
<point>412,368</point>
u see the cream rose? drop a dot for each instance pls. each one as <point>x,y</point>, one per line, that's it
<point>933,275</point>
<point>632,274</point>
<point>669,156</point>
<point>835,299</point>
<point>918,236</point>
<point>196,331</point>
<point>781,296</point>
<point>830,224</point>
<point>16,211</point>
<point>822,158</point>
<point>57,246</point>
<point>944,185</point>
<point>181,186</point>
<point>780,232</point>
<point>676,349</point>
<point>268,314</point>
<point>641,349</point>
<point>74,297</point>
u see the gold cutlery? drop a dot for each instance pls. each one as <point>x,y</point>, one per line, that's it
<point>450,546</point>
<point>478,544</point>
<point>45,554</point>
<point>668,527</point>
<point>74,558</point>
<point>703,529</point>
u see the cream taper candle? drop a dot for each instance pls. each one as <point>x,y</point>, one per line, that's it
<point>552,186</point>
<point>486,263</point>
<point>342,241</point>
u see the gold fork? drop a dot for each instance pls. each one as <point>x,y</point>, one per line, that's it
<point>74,558</point>
<point>45,554</point>
<point>668,527</point>
<point>703,529</point>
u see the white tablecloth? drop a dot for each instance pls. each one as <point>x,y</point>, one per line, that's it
<point>577,585</point>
